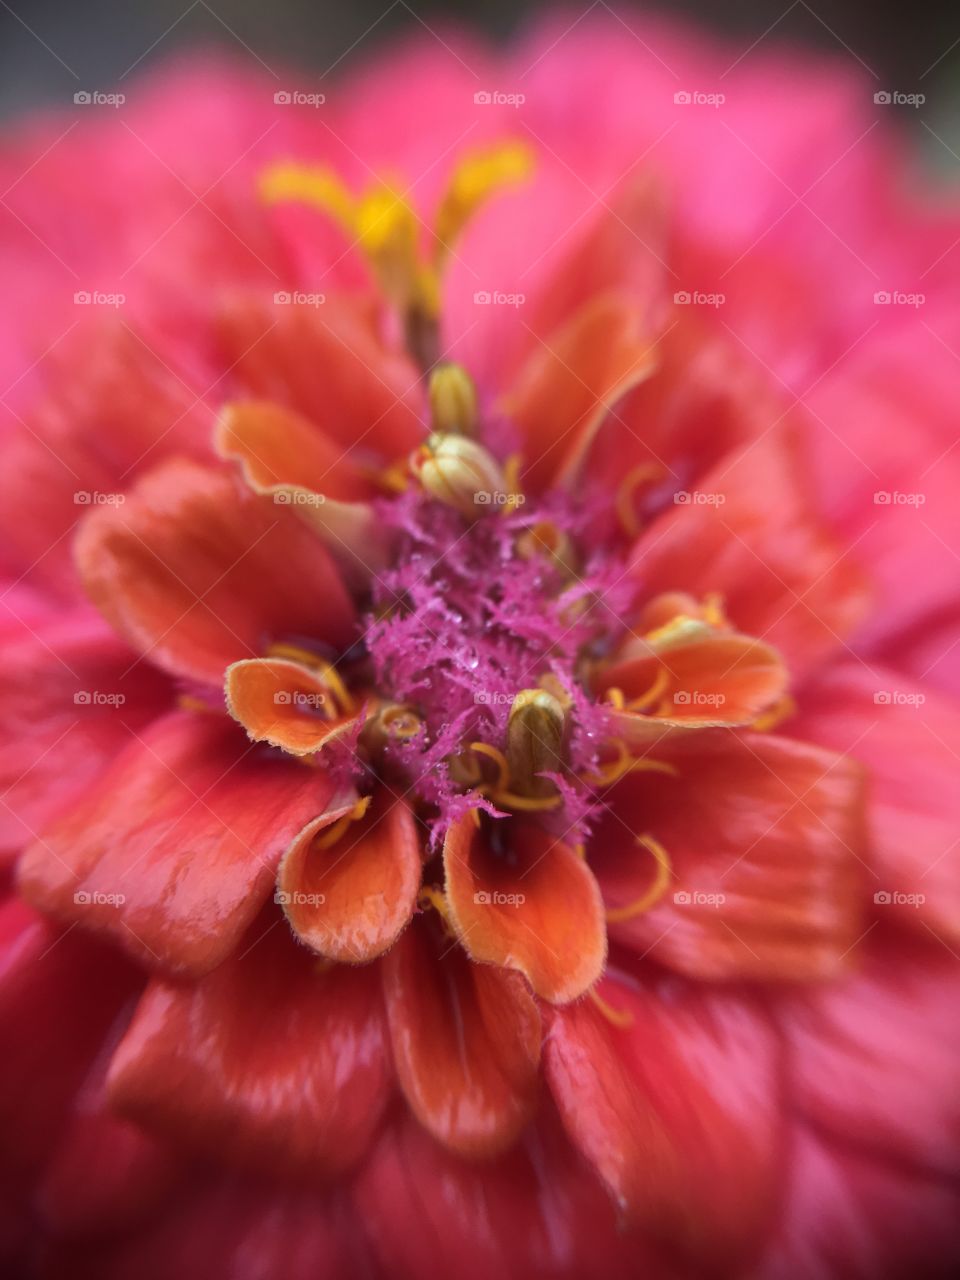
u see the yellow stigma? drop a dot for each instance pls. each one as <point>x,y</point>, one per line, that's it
<point>460,473</point>
<point>386,227</point>
<point>453,400</point>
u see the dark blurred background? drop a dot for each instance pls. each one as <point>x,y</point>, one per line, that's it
<point>50,48</point>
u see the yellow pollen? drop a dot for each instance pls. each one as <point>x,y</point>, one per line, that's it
<point>337,830</point>
<point>619,1018</point>
<point>646,473</point>
<point>656,891</point>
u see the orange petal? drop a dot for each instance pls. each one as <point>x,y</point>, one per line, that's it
<point>329,364</point>
<point>536,909</point>
<point>349,902</point>
<point>284,455</point>
<point>749,532</point>
<point>679,1111</point>
<point>466,1042</point>
<point>702,677</point>
<point>765,838</point>
<point>285,703</point>
<point>280,451</point>
<point>571,381</point>
<point>268,1062</point>
<point>174,851</point>
<point>197,574</point>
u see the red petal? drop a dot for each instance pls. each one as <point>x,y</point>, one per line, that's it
<point>283,703</point>
<point>861,1219</point>
<point>70,696</point>
<point>748,532</point>
<point>908,736</point>
<point>197,573</point>
<point>268,1062</point>
<point>466,1041</point>
<point>679,1112</point>
<point>765,840</point>
<point>538,910</point>
<point>877,1058</point>
<point>534,1213</point>
<point>187,829</point>
<point>349,902</point>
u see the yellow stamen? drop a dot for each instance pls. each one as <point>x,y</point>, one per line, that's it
<point>336,831</point>
<point>656,691</point>
<point>646,473</point>
<point>615,698</point>
<point>511,482</point>
<point>713,612</point>
<point>318,187</point>
<point>187,702</point>
<point>619,1018</point>
<point>527,804</point>
<point>779,712</point>
<point>656,891</point>
<point>331,678</point>
<point>499,759</point>
<point>295,654</point>
<point>476,178</point>
<point>611,772</point>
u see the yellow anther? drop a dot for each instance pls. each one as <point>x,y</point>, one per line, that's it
<point>614,697</point>
<point>619,1018</point>
<point>511,482</point>
<point>534,741</point>
<point>453,400</point>
<point>459,472</point>
<point>475,179</point>
<point>656,891</point>
<point>647,473</point>
<point>306,184</point>
<point>431,895</point>
<point>337,830</point>
<point>187,702</point>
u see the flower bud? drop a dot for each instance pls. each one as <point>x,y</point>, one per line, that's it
<point>534,741</point>
<point>459,472</point>
<point>453,400</point>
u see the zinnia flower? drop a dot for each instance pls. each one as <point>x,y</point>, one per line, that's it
<point>479,663</point>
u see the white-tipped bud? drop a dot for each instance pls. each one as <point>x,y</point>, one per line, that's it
<point>534,741</point>
<point>460,472</point>
<point>453,400</point>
